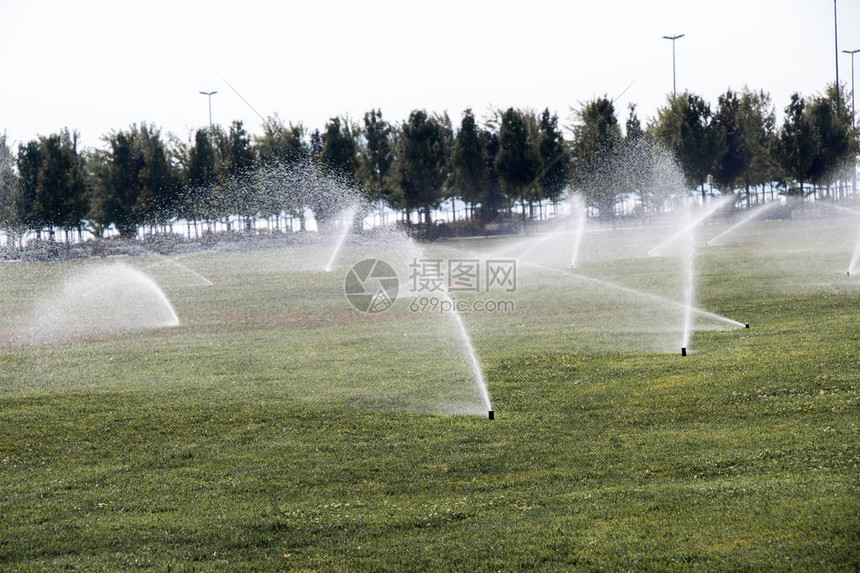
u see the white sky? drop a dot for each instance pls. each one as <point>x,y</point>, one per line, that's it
<point>98,66</point>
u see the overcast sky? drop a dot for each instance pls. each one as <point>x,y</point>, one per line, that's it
<point>98,66</point>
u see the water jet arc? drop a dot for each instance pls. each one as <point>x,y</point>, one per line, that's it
<point>749,217</point>
<point>648,295</point>
<point>344,217</point>
<point>717,205</point>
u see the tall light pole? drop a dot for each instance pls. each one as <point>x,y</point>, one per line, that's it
<point>673,38</point>
<point>836,54</point>
<point>854,109</point>
<point>853,112</point>
<point>209,95</point>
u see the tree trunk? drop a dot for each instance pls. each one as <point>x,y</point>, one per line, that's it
<point>428,217</point>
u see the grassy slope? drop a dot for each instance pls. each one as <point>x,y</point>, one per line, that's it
<point>189,449</point>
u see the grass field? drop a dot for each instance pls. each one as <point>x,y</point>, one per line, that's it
<point>278,428</point>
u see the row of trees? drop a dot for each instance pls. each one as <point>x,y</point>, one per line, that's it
<point>517,158</point>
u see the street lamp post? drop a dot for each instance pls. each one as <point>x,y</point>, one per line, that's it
<point>836,54</point>
<point>853,112</point>
<point>854,109</point>
<point>673,38</point>
<point>209,95</point>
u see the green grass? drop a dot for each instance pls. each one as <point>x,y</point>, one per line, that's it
<point>277,429</point>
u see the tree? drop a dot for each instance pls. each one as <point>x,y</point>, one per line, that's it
<point>339,149</point>
<point>832,125</point>
<point>684,127</point>
<point>553,156</point>
<point>159,179</point>
<point>76,200</point>
<point>447,190</point>
<point>240,196</point>
<point>597,139</point>
<point>797,143</point>
<point>53,191</point>
<point>758,122</point>
<point>221,196</point>
<point>336,154</point>
<point>468,160</point>
<point>201,160</point>
<point>423,159</point>
<point>733,157</point>
<point>282,154</point>
<point>9,221</point>
<point>317,144</point>
<point>201,177</point>
<point>239,157</point>
<point>642,165</point>
<point>29,165</point>
<point>633,132</point>
<point>377,157</point>
<point>493,198</point>
<point>517,162</point>
<point>744,126</point>
<point>135,183</point>
<point>281,145</point>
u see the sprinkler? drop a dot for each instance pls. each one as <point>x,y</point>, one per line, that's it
<point>848,273</point>
<point>683,351</point>
<point>491,415</point>
<point>747,325</point>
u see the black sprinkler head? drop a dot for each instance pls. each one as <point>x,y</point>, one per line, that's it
<point>683,351</point>
<point>747,325</point>
<point>491,415</point>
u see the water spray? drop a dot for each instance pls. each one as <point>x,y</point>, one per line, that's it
<point>345,220</point>
<point>579,205</point>
<point>161,258</point>
<point>754,213</point>
<point>692,224</point>
<point>646,295</point>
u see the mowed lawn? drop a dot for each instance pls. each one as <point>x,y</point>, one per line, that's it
<point>278,428</point>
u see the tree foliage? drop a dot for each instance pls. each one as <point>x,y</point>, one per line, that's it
<point>684,126</point>
<point>553,157</point>
<point>53,190</point>
<point>831,118</point>
<point>422,164</point>
<point>9,220</point>
<point>597,142</point>
<point>468,160</point>
<point>517,162</point>
<point>513,156</point>
<point>135,184</point>
<point>376,159</point>
<point>797,143</point>
<point>339,149</point>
